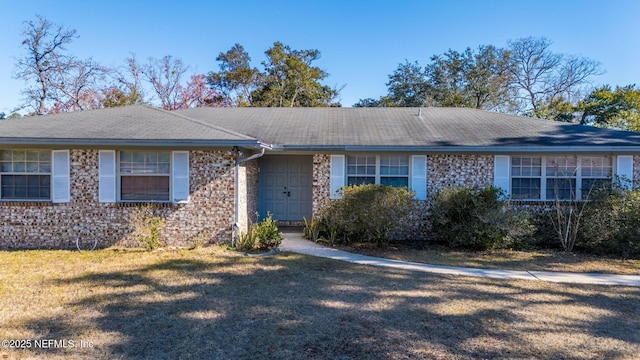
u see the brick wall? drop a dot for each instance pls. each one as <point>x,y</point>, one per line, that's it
<point>321,181</point>
<point>444,171</point>
<point>208,216</point>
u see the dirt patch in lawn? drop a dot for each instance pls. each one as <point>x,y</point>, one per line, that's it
<point>208,303</point>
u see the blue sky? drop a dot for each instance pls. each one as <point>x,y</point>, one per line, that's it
<point>361,42</point>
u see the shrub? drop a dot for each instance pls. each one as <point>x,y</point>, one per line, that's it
<point>147,226</point>
<point>312,229</point>
<point>611,223</point>
<point>478,219</point>
<point>265,235</point>
<point>268,234</point>
<point>247,240</point>
<point>367,213</point>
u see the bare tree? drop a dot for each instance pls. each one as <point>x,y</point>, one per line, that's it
<point>165,76</point>
<point>45,43</point>
<point>62,82</point>
<point>543,79</point>
<point>125,85</point>
<point>198,94</point>
<point>75,85</point>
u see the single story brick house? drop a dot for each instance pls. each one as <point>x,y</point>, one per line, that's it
<point>209,171</point>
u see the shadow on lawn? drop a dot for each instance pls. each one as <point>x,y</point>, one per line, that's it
<point>292,306</point>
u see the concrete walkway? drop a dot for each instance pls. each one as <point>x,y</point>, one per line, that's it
<point>295,242</point>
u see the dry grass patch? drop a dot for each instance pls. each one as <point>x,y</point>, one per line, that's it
<point>208,303</point>
<point>533,260</point>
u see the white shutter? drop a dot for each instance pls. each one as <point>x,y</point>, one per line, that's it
<point>419,176</point>
<point>61,183</point>
<point>624,170</point>
<point>337,175</point>
<point>501,172</point>
<point>107,176</point>
<point>180,176</point>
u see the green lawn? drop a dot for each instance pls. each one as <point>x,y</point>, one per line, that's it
<point>208,303</point>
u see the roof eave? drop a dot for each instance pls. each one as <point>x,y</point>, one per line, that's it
<point>462,149</point>
<point>166,143</point>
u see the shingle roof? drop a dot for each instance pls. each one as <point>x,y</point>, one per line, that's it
<point>396,128</point>
<point>393,129</point>
<point>131,125</point>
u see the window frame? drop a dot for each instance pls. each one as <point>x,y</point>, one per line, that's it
<point>27,174</point>
<point>377,176</point>
<point>576,175</point>
<point>120,175</point>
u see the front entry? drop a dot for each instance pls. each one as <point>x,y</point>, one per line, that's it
<point>286,187</point>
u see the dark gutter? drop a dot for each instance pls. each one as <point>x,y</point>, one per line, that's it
<point>130,142</point>
<point>462,149</point>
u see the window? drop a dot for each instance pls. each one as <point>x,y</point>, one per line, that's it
<point>526,173</point>
<point>562,173</point>
<point>597,172</point>
<point>25,175</point>
<point>145,175</point>
<point>361,170</point>
<point>385,169</point>
<point>558,177</point>
<point>394,171</point>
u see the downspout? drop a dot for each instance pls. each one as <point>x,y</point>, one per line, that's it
<point>237,193</point>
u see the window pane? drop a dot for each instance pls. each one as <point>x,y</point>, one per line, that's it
<point>591,185</point>
<point>359,180</point>
<point>19,155</point>
<point>394,165</point>
<point>395,181</point>
<point>597,166</point>
<point>151,157</point>
<point>561,166</point>
<point>561,189</point>
<point>32,167</point>
<point>144,163</point>
<point>526,166</point>
<point>163,156</point>
<point>25,161</point>
<point>126,156</point>
<point>145,188</point>
<point>19,167</point>
<point>26,187</point>
<point>44,167</point>
<point>138,157</point>
<point>361,165</point>
<point>525,188</point>
<point>164,168</point>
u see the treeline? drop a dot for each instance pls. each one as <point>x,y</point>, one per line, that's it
<point>525,78</point>
<point>58,81</point>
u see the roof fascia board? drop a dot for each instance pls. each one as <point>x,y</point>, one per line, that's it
<point>133,142</point>
<point>465,149</point>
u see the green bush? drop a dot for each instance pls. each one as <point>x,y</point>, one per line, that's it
<point>265,235</point>
<point>478,219</point>
<point>366,213</point>
<point>247,240</point>
<point>268,234</point>
<point>611,223</point>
